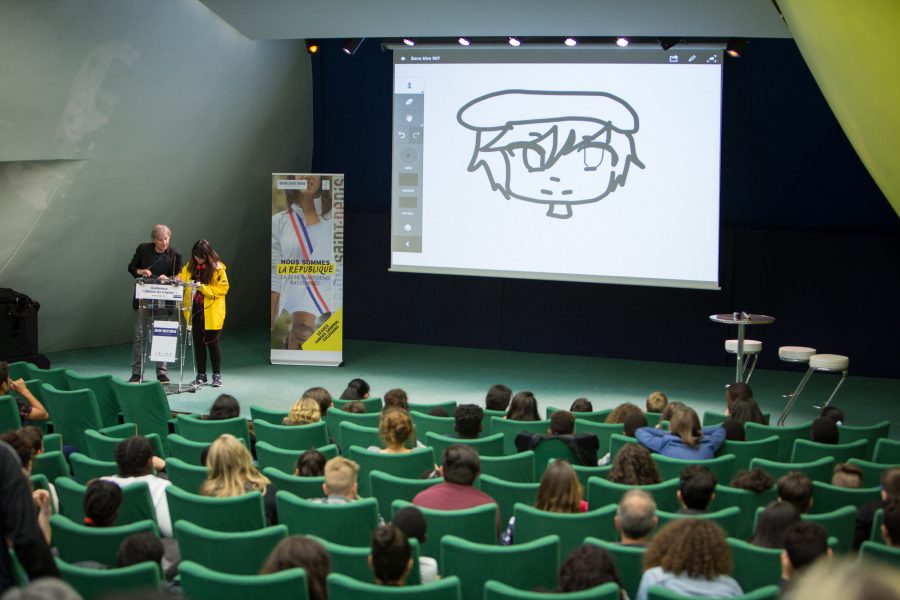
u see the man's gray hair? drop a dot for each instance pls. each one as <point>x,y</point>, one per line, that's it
<point>636,512</point>
<point>159,230</point>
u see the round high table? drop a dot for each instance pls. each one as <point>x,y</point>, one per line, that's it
<point>741,319</point>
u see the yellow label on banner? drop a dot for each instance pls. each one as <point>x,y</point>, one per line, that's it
<point>305,268</point>
<point>327,337</point>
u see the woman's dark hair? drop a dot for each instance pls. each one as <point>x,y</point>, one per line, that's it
<point>734,430</point>
<point>754,480</point>
<point>411,522</point>
<point>202,249</point>
<point>133,456</point>
<point>311,464</point>
<point>833,413</point>
<point>20,445</point>
<point>225,406</point>
<point>138,548</point>
<point>320,395</point>
<point>634,422</point>
<point>306,553</point>
<point>355,407</point>
<point>824,431</point>
<point>523,407</point>
<point>773,523</point>
<point>746,410</point>
<point>581,405</point>
<point>102,501</point>
<point>357,389</point>
<point>586,567</point>
<point>390,554</point>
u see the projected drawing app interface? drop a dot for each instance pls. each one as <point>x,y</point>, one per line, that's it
<point>596,165</point>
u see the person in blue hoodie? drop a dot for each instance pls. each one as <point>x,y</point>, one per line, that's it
<point>684,439</point>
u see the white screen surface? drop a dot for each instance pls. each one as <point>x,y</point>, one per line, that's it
<point>526,163</point>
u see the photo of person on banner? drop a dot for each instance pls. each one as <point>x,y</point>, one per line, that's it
<point>302,259</point>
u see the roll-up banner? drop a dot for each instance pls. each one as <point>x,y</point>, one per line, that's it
<point>307,269</point>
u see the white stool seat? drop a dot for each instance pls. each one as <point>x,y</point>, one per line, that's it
<point>796,353</point>
<point>829,362</point>
<point>750,346</point>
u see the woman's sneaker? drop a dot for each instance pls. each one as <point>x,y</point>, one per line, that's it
<point>200,380</point>
<point>217,380</point>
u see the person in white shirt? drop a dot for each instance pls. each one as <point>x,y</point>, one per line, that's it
<point>136,462</point>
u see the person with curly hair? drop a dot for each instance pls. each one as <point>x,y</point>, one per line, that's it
<point>395,427</point>
<point>623,411</point>
<point>755,480</point>
<point>230,473</point>
<point>587,567</point>
<point>305,411</point>
<point>690,557</point>
<point>657,402</point>
<point>633,465</point>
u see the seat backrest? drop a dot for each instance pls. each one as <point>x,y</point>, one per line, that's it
<point>336,416</point>
<point>550,449</point>
<point>508,493</point>
<point>887,451</point>
<point>386,488</point>
<point>486,420</point>
<point>744,452</point>
<point>186,476</point>
<point>477,524</point>
<point>55,377</point>
<point>871,470</point>
<point>616,442</point>
<point>872,433</point>
<point>494,590</point>
<point>372,405</point>
<point>516,467</point>
<point>269,415</point>
<point>302,487</point>
<point>137,504</point>
<point>353,561</point>
<point>838,523</point>
<point>81,543</point>
<point>411,465</point>
<point>145,405</point>
<point>292,437</point>
<point>208,430</point>
<point>786,436</point>
<point>72,413</point>
<point>238,513</point>
<point>101,385</point>
<point>94,583</point>
<point>247,550</point>
<point>102,446</point>
<point>490,445</point>
<point>198,581</point>
<point>350,524</point>
<point>358,435</point>
<point>184,449</point>
<point>511,428</point>
<point>880,552</point>
<point>817,470</point>
<point>746,501</point>
<point>771,592</point>
<point>533,524</point>
<point>721,466</point>
<point>85,468</point>
<point>9,414</point>
<point>629,561</point>
<point>343,587</point>
<point>754,566</point>
<point>51,464</point>
<point>426,423</point>
<point>603,431</point>
<point>827,497</point>
<point>726,518</point>
<point>423,408</point>
<point>597,416</point>
<point>808,450</point>
<point>536,563</point>
<point>585,473</point>
<point>602,492</point>
<point>284,459</point>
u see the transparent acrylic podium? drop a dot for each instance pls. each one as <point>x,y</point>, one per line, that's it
<point>165,331</point>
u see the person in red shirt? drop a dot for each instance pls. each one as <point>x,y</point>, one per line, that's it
<point>460,466</point>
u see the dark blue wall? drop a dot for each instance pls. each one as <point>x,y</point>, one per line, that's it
<point>806,237</point>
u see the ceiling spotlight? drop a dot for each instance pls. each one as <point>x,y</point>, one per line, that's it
<point>514,41</point>
<point>463,41</point>
<point>351,45</point>
<point>312,46</point>
<point>666,43</point>
<point>570,41</point>
<point>621,42</point>
<point>735,47</point>
<point>409,41</point>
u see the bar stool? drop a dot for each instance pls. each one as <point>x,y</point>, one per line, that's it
<point>794,354</point>
<point>752,348</point>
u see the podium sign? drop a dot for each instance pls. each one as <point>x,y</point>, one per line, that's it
<point>158,291</point>
<point>164,343</point>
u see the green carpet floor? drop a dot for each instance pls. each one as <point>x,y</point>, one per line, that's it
<point>437,373</point>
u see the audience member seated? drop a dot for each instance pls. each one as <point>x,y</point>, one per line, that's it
<point>357,389</point>
<point>459,467</point>
<point>320,395</point>
<point>773,523</point>
<point>690,557</point>
<point>804,543</point>
<point>890,489</point>
<point>696,489</point>
<point>497,397</point>
<point>468,421</point>
<point>310,464</point>
<point>231,473</point>
<point>45,588</point>
<point>581,405</point>
<point>657,402</point>
<point>298,551</point>
<point>411,522</point>
<point>391,557</point>
<point>833,413</point>
<point>102,501</point>
<point>559,492</point>
<point>824,431</point>
<point>587,567</point>
<point>340,485</point>
<point>668,411</point>
<point>795,487</point>
<point>847,579</point>
<point>890,527</point>
<point>684,439</point>
<point>755,480</point>
<point>622,412</point>
<point>734,430</point>
<point>847,475</point>
<point>736,392</point>
<point>636,518</point>
<point>523,407</point>
<point>225,406</point>
<point>438,411</point>
<point>395,398</point>
<point>562,427</point>
<point>41,498</point>
<point>745,411</point>
<point>395,427</point>
<point>305,411</point>
<point>33,437</point>
<point>634,422</point>
<point>146,547</point>
<point>355,407</point>
<point>30,408</point>
<point>135,461</point>
<point>633,465</point>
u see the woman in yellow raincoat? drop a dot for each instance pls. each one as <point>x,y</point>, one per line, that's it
<point>208,311</point>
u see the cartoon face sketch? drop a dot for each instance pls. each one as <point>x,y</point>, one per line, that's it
<point>550,147</point>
